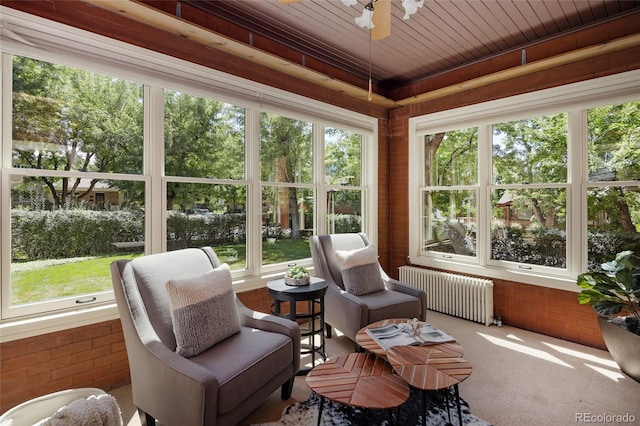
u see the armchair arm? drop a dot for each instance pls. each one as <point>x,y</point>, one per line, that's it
<point>395,285</point>
<point>344,311</point>
<point>184,383</point>
<point>274,324</point>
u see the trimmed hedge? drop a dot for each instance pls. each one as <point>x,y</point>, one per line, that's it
<point>55,234</point>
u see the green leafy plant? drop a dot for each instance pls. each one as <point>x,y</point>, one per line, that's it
<point>615,289</point>
<point>297,272</point>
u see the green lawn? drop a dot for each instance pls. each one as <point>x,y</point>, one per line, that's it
<point>51,279</point>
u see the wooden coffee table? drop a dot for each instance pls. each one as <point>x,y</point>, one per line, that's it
<point>367,342</point>
<point>361,380</point>
<point>429,370</point>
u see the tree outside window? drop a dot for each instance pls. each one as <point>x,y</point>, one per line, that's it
<point>71,130</point>
<point>613,195</point>
<point>449,195</point>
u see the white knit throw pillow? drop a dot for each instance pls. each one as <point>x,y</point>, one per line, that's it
<point>203,310</point>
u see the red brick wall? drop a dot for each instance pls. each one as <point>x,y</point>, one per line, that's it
<point>91,356</point>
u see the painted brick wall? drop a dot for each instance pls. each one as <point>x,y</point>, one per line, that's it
<point>90,356</point>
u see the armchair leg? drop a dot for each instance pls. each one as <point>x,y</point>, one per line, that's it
<point>328,329</point>
<point>287,389</point>
<point>146,419</point>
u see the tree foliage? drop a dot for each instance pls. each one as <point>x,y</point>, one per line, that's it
<point>67,119</point>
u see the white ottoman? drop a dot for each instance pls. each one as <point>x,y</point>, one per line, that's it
<point>37,409</point>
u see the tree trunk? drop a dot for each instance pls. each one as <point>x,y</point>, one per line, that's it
<point>624,214</point>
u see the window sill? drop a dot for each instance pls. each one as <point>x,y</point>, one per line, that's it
<point>22,328</point>
<point>559,283</point>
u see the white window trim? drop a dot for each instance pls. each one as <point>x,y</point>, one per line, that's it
<point>65,45</point>
<point>573,99</point>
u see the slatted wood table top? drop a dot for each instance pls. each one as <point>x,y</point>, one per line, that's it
<point>359,379</point>
<point>367,342</point>
<point>428,370</point>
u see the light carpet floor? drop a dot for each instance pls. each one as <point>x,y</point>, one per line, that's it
<point>519,378</point>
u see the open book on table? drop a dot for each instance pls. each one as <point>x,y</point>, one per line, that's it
<point>403,334</point>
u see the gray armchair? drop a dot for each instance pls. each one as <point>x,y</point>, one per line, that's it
<point>349,313</point>
<point>219,386</point>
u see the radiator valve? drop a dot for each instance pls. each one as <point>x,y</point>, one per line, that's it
<point>498,320</point>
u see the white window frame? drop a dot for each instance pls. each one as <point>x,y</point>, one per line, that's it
<point>65,45</point>
<point>573,99</point>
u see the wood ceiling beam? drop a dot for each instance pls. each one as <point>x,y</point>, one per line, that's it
<point>172,24</point>
<point>617,45</point>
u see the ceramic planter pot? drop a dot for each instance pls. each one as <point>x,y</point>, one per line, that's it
<point>297,281</point>
<point>623,346</point>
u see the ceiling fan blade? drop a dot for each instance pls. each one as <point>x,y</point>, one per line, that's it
<point>381,20</point>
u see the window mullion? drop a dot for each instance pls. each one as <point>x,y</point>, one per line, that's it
<point>484,194</point>
<point>577,240</point>
<point>320,219</point>
<point>155,223</point>
<point>254,191</point>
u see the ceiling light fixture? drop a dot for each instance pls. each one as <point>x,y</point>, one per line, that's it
<point>376,17</point>
<point>376,14</point>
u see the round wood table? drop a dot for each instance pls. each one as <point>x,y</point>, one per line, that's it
<point>361,380</point>
<point>367,342</point>
<point>429,370</point>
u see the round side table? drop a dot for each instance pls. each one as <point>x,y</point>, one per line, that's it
<point>311,320</point>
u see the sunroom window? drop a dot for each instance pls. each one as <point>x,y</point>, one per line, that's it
<point>77,198</point>
<point>204,165</point>
<point>613,194</point>
<point>450,193</point>
<point>343,153</point>
<point>548,188</point>
<point>529,191</point>
<point>99,167</point>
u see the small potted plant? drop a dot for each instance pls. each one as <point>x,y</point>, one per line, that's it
<point>614,292</point>
<point>297,276</point>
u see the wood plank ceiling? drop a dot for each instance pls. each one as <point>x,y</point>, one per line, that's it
<point>318,40</point>
<point>441,36</point>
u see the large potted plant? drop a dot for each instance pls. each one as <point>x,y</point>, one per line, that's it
<point>614,293</point>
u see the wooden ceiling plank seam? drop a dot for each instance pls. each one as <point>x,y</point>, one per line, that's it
<point>612,7</point>
<point>475,22</point>
<point>456,42</point>
<point>571,13</point>
<point>470,42</point>
<point>425,41</point>
<point>436,45</point>
<point>562,18</point>
<point>533,21</point>
<point>546,18</point>
<point>520,21</point>
<point>490,19</point>
<point>589,13</point>
<point>514,29</point>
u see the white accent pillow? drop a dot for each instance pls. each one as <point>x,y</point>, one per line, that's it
<point>360,270</point>
<point>203,310</point>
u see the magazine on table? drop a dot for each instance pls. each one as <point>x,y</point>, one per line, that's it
<point>403,334</point>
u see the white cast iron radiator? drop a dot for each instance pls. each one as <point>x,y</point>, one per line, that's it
<point>458,295</point>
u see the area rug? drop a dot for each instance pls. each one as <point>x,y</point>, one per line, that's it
<point>410,413</point>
